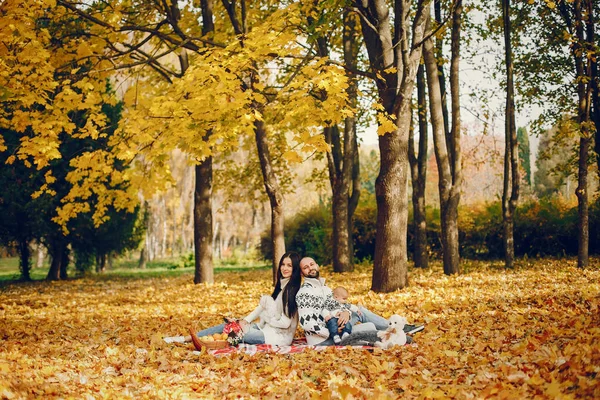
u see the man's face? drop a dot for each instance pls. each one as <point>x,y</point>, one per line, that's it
<point>310,269</point>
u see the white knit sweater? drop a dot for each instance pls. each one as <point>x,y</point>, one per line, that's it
<point>278,331</point>
<point>313,298</point>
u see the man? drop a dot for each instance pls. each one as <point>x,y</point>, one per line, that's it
<point>314,296</point>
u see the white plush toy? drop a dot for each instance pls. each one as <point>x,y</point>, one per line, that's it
<point>269,310</point>
<point>393,335</point>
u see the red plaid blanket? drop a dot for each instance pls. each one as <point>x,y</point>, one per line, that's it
<point>297,346</point>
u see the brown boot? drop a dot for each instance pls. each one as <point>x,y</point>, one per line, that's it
<point>195,340</point>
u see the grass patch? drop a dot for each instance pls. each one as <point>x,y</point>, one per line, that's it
<point>128,268</point>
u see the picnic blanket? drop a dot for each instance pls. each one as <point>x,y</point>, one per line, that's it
<point>297,346</point>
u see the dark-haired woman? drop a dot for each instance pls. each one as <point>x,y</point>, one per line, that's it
<point>277,330</point>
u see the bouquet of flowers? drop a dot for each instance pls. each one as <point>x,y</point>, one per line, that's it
<point>234,331</point>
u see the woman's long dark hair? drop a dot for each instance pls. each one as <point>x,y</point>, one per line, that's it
<point>290,308</point>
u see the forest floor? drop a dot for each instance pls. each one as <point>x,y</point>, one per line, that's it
<point>532,332</point>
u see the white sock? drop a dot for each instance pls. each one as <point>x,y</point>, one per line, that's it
<point>174,339</point>
<point>336,339</point>
<point>345,335</point>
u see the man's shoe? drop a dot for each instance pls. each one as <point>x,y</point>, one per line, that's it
<point>412,329</point>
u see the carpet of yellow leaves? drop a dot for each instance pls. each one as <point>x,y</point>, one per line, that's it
<point>532,332</point>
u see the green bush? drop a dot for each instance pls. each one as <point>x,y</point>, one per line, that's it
<point>542,228</point>
<point>308,233</point>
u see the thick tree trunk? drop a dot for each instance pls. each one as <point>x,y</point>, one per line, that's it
<point>418,168</point>
<point>390,269</point>
<point>56,250</point>
<point>24,262</point>
<point>395,87</point>
<point>203,223</point>
<point>54,271</point>
<point>341,234</point>
<point>274,193</point>
<point>64,262</point>
<point>510,192</point>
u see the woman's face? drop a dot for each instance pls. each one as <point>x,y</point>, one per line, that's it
<point>286,268</point>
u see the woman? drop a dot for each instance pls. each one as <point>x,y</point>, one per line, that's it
<point>281,329</point>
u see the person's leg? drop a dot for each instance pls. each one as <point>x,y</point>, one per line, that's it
<point>334,333</point>
<point>188,338</point>
<point>380,322</point>
<point>368,316</point>
<point>211,330</point>
<point>332,326</point>
<point>346,331</point>
<point>347,328</point>
<point>254,336</point>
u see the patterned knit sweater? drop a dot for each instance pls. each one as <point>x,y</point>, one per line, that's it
<point>312,298</point>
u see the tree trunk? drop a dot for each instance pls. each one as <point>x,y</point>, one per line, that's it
<point>354,197</point>
<point>583,233</point>
<point>203,223</point>
<point>24,262</point>
<point>64,262</point>
<point>342,161</point>
<point>510,192</point>
<point>584,93</point>
<point>142,263</point>
<point>101,263</point>
<point>418,168</point>
<point>56,250</point>
<point>341,235</point>
<point>439,53</point>
<point>395,87</point>
<point>390,271</point>
<point>274,192</point>
<point>163,216</point>
<point>54,271</point>
<point>452,257</point>
<point>448,204</point>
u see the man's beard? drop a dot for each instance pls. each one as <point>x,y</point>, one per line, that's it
<point>316,274</point>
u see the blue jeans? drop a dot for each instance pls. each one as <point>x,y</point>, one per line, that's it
<point>332,326</point>
<point>367,316</point>
<point>253,336</point>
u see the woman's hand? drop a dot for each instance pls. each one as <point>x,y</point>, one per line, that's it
<point>243,324</point>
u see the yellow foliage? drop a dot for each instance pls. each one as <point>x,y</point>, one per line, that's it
<point>385,123</point>
<point>212,108</point>
<point>532,332</point>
